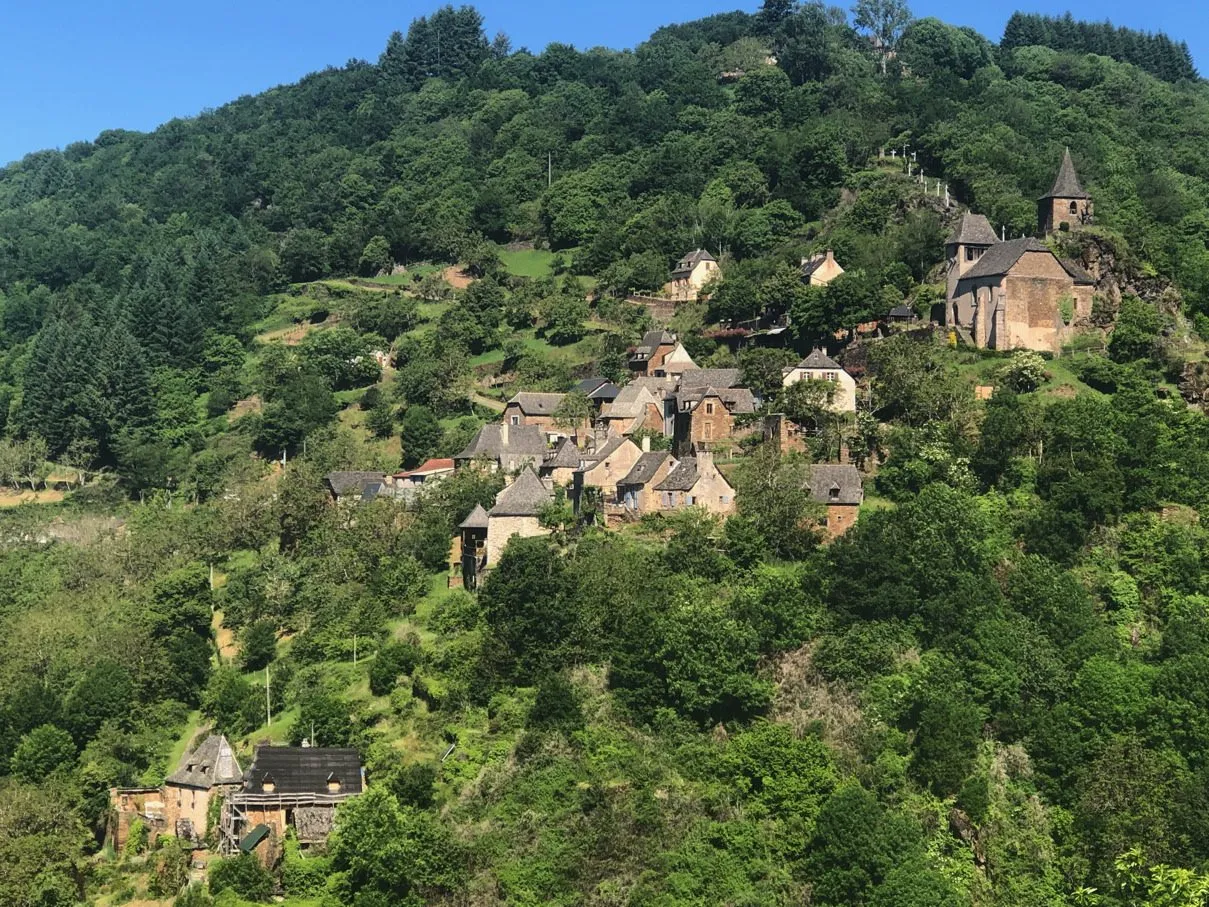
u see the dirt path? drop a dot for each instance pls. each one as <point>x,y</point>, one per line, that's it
<point>457,278</point>
<point>227,649</point>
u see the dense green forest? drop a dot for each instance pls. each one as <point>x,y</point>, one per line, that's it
<point>994,690</point>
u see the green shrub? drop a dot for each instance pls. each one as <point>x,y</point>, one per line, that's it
<point>242,875</point>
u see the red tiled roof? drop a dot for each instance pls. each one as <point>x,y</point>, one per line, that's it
<point>433,465</point>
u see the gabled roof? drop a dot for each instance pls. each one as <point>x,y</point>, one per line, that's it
<point>834,483</point>
<point>524,497</point>
<point>1066,184</point>
<point>345,482</point>
<point>213,762</point>
<point>523,441</point>
<point>303,770</point>
<point>817,260</point>
<point>999,258</point>
<point>902,311</point>
<point>587,385</point>
<point>535,404</point>
<point>679,356</point>
<point>603,452</point>
<point>974,230</point>
<point>650,342</point>
<point>644,470</point>
<point>631,403</point>
<point>682,478</point>
<point>736,399</point>
<point>818,360</point>
<point>711,377</point>
<point>596,388</point>
<point>476,520</point>
<point>564,456</point>
<point>690,261</point>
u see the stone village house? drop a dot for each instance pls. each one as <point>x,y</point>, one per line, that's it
<point>820,269</point>
<point>696,482</point>
<point>690,276</point>
<point>838,488</point>
<point>537,409</point>
<point>485,533</point>
<point>659,353</point>
<point>818,366</point>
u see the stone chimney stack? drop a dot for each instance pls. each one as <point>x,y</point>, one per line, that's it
<point>503,434</point>
<point>830,256</point>
<point>646,443</point>
<point>705,458</point>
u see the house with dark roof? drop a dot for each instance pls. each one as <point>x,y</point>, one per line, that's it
<point>1017,294</point>
<point>636,489</point>
<point>838,488</point>
<point>706,416</point>
<point>560,464</point>
<point>527,408</point>
<point>659,353</point>
<point>498,445</point>
<point>821,268</point>
<point>691,274</point>
<point>470,555</point>
<point>637,407</point>
<point>349,486</point>
<point>599,391</point>
<point>181,805</point>
<point>818,366</point>
<point>596,479</point>
<point>696,482</point>
<point>296,787</point>
<point>516,512</point>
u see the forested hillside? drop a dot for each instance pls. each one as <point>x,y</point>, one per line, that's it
<point>993,690</point>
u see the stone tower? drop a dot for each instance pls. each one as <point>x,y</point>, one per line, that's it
<point>1066,206</point>
<point>973,236</point>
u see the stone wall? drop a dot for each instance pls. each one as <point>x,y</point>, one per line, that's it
<point>501,528</point>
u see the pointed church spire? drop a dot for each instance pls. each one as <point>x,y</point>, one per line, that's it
<point>1067,183</point>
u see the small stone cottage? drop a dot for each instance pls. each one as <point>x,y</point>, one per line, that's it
<point>818,366</point>
<point>691,274</point>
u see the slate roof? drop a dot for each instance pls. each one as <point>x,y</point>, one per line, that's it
<point>351,482</point>
<point>523,441</point>
<point>974,230</point>
<point>644,470</point>
<point>685,265</point>
<point>814,262</point>
<point>587,385</point>
<point>904,312</point>
<point>535,404</point>
<point>1066,184</point>
<point>736,399</point>
<point>1076,272</point>
<point>476,520</point>
<point>213,762</point>
<point>710,377</point>
<point>303,770</point>
<point>818,359</point>
<point>679,356</point>
<point>845,480</point>
<point>565,456</point>
<point>682,478</point>
<point>631,403</point>
<point>596,388</point>
<point>524,497</point>
<point>650,342</point>
<point>999,258</point>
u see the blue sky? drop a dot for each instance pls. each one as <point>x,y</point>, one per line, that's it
<point>72,68</point>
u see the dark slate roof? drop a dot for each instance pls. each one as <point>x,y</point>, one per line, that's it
<point>565,456</point>
<point>535,404</point>
<point>902,311</point>
<point>587,385</point>
<point>813,263</point>
<point>523,441</point>
<point>1076,272</point>
<point>843,480</point>
<point>303,770</point>
<point>1066,184</point>
<point>690,261</point>
<point>651,341</point>
<point>710,377</point>
<point>818,359</point>
<point>524,497</point>
<point>350,482</point>
<point>974,230</point>
<point>999,258</point>
<point>648,464</point>
<point>476,520</point>
<point>213,762</point>
<point>606,392</point>
<point>736,399</point>
<point>682,478</point>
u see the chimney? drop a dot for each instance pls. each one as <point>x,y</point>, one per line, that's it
<point>705,457</point>
<point>503,434</point>
<point>830,256</point>
<point>646,443</point>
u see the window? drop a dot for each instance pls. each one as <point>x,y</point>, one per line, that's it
<point>831,376</point>
<point>667,499</point>
<point>709,409</point>
<point>973,254</point>
<point>333,784</point>
<point>833,493</point>
<point>1074,208</point>
<point>723,499</point>
<point>516,420</point>
<point>709,431</point>
<point>688,500</point>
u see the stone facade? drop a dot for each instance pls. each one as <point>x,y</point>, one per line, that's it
<point>819,367</point>
<point>502,528</point>
<point>691,274</point>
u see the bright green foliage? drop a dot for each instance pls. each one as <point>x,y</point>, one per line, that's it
<point>419,435</point>
<point>242,875</point>
<point>42,752</point>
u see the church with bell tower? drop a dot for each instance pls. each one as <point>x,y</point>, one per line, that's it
<point>1066,206</point>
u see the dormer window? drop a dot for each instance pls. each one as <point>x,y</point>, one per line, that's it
<point>333,784</point>
<point>267,784</point>
<point>833,492</point>
<point>709,409</point>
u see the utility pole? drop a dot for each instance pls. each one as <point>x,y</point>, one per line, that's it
<point>268,702</point>
<point>354,648</point>
<point>549,169</point>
